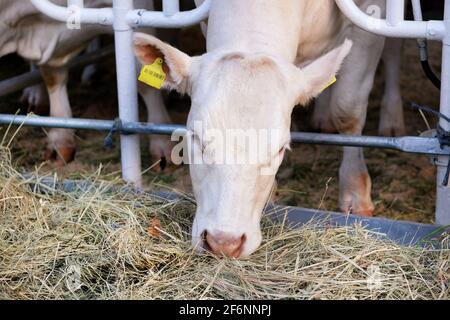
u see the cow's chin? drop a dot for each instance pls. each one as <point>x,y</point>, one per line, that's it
<point>252,232</point>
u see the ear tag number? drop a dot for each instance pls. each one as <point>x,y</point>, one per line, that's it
<point>153,74</point>
<point>333,81</point>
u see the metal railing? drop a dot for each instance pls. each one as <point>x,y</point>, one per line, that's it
<point>123,18</point>
<point>416,145</point>
<point>395,26</point>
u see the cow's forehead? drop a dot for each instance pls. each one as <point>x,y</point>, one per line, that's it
<point>221,115</point>
<point>249,90</point>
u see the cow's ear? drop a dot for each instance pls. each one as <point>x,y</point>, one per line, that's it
<point>176,64</point>
<point>317,76</point>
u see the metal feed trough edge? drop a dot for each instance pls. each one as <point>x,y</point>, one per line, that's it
<point>123,18</point>
<point>402,232</point>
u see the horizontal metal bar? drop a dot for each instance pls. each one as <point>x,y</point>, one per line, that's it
<point>143,18</point>
<point>31,78</point>
<point>136,18</point>
<point>88,124</point>
<point>416,145</point>
<point>102,16</point>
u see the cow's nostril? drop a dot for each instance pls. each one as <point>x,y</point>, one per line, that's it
<point>224,244</point>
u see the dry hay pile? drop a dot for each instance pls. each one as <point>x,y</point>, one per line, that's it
<point>105,244</point>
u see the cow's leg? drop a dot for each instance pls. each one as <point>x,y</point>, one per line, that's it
<point>160,146</point>
<point>391,116</point>
<point>348,107</point>
<point>321,118</point>
<point>36,98</point>
<point>90,70</point>
<point>61,142</point>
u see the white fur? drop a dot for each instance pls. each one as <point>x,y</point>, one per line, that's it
<point>391,114</point>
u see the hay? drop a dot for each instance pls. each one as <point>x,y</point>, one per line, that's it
<point>102,243</point>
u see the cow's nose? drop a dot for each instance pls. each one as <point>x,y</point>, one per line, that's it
<point>224,244</point>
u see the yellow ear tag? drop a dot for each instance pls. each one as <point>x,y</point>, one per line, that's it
<point>333,81</point>
<point>153,74</point>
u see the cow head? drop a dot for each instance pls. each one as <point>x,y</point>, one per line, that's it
<point>239,130</point>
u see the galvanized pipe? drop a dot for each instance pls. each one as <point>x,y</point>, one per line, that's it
<point>33,77</point>
<point>416,145</point>
<point>88,124</point>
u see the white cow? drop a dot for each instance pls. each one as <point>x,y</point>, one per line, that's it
<point>391,112</point>
<point>51,45</point>
<point>263,58</point>
<point>36,96</point>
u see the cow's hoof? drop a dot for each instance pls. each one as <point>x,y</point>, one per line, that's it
<point>162,165</point>
<point>362,211</point>
<point>61,156</point>
<point>161,152</point>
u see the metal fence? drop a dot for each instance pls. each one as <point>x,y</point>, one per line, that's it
<point>123,18</point>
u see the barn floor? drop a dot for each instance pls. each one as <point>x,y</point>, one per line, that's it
<point>403,185</point>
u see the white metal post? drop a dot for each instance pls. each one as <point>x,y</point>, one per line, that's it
<point>170,7</point>
<point>127,91</point>
<point>417,10</point>
<point>443,192</point>
<point>395,13</point>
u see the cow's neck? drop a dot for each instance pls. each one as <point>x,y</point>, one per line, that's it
<point>322,27</point>
<point>263,26</point>
<point>291,29</point>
